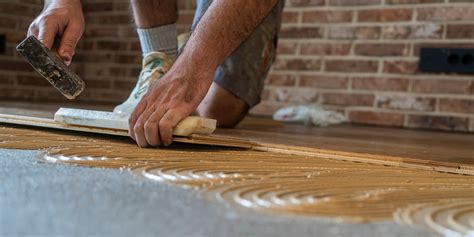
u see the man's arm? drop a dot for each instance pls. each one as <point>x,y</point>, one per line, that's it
<point>225,25</point>
<point>63,19</point>
<point>176,95</point>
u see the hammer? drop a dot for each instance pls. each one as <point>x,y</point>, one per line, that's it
<point>51,67</point>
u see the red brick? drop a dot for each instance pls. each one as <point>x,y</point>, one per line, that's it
<point>10,65</point>
<point>280,80</point>
<point>406,102</point>
<point>412,1</point>
<point>351,66</point>
<point>305,2</point>
<point>97,7</point>
<point>385,15</point>
<point>290,17</point>
<point>99,83</point>
<point>129,32</point>
<point>438,122</point>
<point>124,85</point>
<point>100,31</point>
<point>457,106</point>
<point>7,22</point>
<point>18,93</point>
<point>442,86</point>
<point>300,32</point>
<point>32,81</point>
<point>325,49</point>
<point>297,64</point>
<point>400,67</point>
<point>6,79</point>
<point>347,99</point>
<point>380,84</point>
<point>396,32</point>
<point>427,31</point>
<point>101,96</point>
<point>327,16</point>
<point>381,49</point>
<point>266,108</point>
<point>351,32</point>
<point>85,45</point>
<point>286,47</point>
<point>109,19</point>
<point>377,118</point>
<point>451,13</point>
<point>122,6</point>
<point>424,31</point>
<point>296,95</point>
<point>93,57</point>
<point>128,59</point>
<point>324,82</point>
<point>266,94</point>
<point>111,45</point>
<point>460,32</point>
<point>135,46</point>
<point>353,2</point>
<point>14,9</point>
<point>119,72</point>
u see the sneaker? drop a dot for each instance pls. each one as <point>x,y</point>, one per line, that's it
<point>155,65</point>
<point>182,40</point>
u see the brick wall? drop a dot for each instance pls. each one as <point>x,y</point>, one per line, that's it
<point>356,56</point>
<point>15,75</point>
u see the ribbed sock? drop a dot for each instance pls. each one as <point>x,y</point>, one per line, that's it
<point>162,39</point>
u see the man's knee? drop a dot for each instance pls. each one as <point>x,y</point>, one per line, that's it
<point>223,106</point>
<point>226,117</point>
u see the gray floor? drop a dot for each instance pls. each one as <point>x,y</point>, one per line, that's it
<point>60,200</point>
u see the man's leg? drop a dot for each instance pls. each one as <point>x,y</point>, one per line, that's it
<point>222,105</point>
<point>156,27</point>
<point>239,81</point>
<point>156,23</point>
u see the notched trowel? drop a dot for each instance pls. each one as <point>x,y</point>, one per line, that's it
<point>51,67</point>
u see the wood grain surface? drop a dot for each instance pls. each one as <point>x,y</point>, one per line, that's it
<point>441,151</point>
<point>428,150</point>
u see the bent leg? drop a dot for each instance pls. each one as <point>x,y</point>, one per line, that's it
<point>156,23</point>
<point>240,78</point>
<point>224,106</point>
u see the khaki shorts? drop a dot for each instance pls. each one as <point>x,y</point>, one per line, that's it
<point>244,72</point>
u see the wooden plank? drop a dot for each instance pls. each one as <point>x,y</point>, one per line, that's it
<point>116,121</point>
<point>428,146</point>
<point>50,123</point>
<point>429,150</point>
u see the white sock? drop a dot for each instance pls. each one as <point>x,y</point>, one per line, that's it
<point>162,39</point>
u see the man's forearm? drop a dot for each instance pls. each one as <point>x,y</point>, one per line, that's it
<point>223,28</point>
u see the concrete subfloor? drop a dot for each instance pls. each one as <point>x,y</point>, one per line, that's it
<point>38,199</point>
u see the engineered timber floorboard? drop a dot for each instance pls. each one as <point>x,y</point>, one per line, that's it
<point>429,150</point>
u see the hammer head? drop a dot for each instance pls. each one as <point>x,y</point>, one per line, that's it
<point>51,67</point>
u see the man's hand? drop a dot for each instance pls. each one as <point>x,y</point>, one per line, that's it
<point>63,19</point>
<point>171,99</point>
<point>178,93</point>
